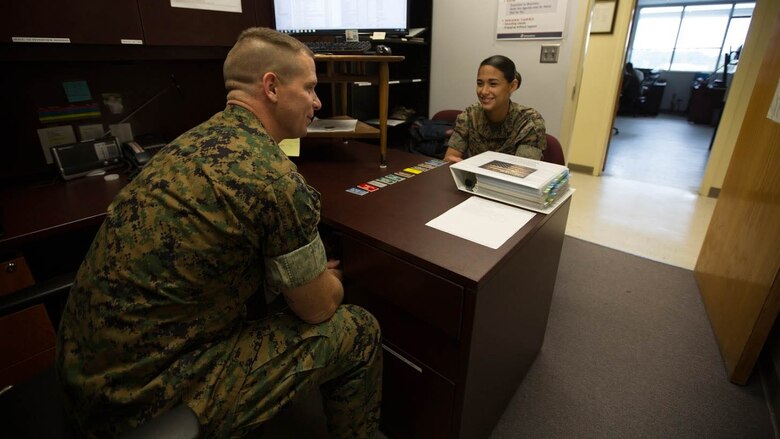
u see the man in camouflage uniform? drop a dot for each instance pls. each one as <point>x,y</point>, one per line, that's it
<point>157,316</point>
<point>496,123</point>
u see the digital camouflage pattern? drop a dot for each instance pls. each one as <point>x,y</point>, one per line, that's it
<point>522,133</point>
<point>157,315</point>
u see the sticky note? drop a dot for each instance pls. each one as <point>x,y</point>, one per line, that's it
<point>77,91</point>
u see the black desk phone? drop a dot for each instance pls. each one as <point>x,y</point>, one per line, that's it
<point>136,154</point>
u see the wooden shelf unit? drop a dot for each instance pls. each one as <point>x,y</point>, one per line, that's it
<point>346,69</point>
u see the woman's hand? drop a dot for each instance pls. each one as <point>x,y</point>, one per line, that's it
<point>453,155</point>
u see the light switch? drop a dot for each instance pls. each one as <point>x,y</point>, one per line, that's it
<point>549,53</point>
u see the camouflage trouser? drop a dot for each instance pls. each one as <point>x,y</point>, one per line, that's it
<point>280,356</point>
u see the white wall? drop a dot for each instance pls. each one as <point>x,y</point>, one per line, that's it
<point>678,90</point>
<point>464,33</point>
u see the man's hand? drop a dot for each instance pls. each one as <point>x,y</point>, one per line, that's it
<point>331,265</point>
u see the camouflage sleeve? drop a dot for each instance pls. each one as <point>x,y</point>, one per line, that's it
<point>293,252</point>
<point>531,140</point>
<point>298,267</point>
<point>459,140</point>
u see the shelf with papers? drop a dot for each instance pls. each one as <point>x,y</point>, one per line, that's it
<point>362,131</point>
<point>341,70</point>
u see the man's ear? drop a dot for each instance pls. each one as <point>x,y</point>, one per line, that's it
<point>269,83</point>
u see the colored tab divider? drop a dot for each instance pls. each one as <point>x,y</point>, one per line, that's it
<point>68,113</point>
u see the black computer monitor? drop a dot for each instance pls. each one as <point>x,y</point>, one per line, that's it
<point>333,17</point>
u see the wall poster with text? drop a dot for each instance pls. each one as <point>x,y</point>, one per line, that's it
<point>530,19</point>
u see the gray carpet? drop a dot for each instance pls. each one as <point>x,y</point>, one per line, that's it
<point>629,353</point>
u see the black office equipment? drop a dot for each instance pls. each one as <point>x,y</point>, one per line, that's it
<point>136,154</point>
<point>78,159</point>
<point>339,47</point>
<point>381,49</point>
<point>335,17</point>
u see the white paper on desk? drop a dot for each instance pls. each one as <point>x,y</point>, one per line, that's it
<point>90,132</point>
<point>55,136</point>
<point>332,125</point>
<point>122,131</point>
<point>485,222</point>
<point>209,5</point>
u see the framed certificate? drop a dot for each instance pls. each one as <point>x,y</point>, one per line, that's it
<point>603,18</point>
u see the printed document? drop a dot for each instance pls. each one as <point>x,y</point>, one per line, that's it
<point>485,222</point>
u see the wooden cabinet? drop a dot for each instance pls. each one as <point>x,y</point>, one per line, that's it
<point>76,21</point>
<point>165,25</point>
<point>148,22</point>
<point>27,342</point>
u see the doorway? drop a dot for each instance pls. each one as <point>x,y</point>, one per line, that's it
<point>665,150</point>
<point>666,140</point>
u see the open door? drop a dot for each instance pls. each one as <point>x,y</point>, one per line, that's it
<point>737,270</point>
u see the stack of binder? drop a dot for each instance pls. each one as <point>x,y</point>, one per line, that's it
<point>527,183</point>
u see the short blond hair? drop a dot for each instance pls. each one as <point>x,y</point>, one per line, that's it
<point>259,50</point>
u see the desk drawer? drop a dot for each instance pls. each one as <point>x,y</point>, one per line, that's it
<point>426,296</point>
<point>417,311</point>
<point>416,402</point>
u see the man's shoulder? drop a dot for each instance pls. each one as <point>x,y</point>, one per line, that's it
<point>233,140</point>
<point>232,155</point>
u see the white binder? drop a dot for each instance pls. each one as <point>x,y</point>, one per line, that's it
<point>530,184</point>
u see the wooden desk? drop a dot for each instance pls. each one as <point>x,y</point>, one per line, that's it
<point>706,104</point>
<point>52,225</point>
<point>461,323</point>
<point>338,74</point>
<point>37,212</point>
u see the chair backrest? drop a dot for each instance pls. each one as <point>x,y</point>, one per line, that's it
<point>554,151</point>
<point>447,115</point>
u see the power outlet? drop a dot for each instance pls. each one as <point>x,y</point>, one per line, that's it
<point>549,53</point>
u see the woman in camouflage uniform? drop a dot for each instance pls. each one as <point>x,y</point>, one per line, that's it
<point>158,313</point>
<point>496,123</point>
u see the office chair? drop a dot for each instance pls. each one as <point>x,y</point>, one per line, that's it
<point>447,116</point>
<point>33,407</point>
<point>554,151</point>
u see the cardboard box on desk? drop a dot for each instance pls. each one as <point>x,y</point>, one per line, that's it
<point>530,184</point>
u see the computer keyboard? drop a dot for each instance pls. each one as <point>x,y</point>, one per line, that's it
<point>339,47</point>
